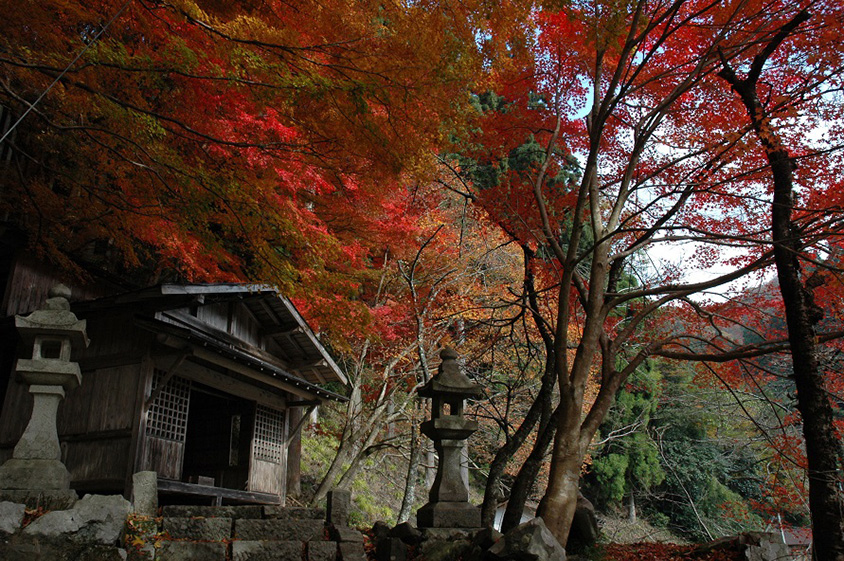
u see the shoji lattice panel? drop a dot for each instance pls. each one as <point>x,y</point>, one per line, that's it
<point>167,417</point>
<point>269,435</point>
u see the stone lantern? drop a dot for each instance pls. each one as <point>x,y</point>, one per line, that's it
<point>448,501</point>
<point>35,473</point>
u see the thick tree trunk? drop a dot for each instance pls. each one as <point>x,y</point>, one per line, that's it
<point>826,498</point>
<point>560,500</point>
<point>822,451</point>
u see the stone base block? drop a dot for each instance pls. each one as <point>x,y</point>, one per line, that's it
<point>191,551</point>
<point>351,551</point>
<point>235,512</point>
<point>280,530</point>
<point>448,515</point>
<point>202,529</point>
<point>33,498</point>
<point>253,550</point>
<point>322,551</point>
<point>50,475</point>
<point>298,513</point>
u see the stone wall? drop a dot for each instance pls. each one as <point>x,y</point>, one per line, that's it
<point>104,528</point>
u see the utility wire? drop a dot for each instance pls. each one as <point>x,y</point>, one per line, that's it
<point>63,72</point>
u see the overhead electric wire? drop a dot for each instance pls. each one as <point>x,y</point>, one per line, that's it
<point>63,72</point>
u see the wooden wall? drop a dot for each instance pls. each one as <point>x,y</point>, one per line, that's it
<point>233,318</point>
<point>96,424</point>
<point>29,282</point>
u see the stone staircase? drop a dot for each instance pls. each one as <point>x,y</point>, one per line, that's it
<point>249,533</point>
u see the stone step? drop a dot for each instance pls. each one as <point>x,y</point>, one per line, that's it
<point>262,550</point>
<point>202,529</point>
<point>254,550</point>
<point>279,529</point>
<point>299,513</point>
<point>191,551</point>
<point>205,511</point>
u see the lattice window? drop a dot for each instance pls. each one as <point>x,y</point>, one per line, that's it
<point>167,417</point>
<point>269,435</point>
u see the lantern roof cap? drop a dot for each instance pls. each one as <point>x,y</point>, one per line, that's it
<point>450,379</point>
<point>55,318</point>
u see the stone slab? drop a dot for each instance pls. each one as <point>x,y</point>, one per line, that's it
<point>345,534</point>
<point>191,551</point>
<point>279,530</point>
<point>351,551</point>
<point>235,512</point>
<point>145,493</point>
<point>449,534</point>
<point>322,551</point>
<point>299,513</point>
<point>30,548</point>
<point>203,529</point>
<point>253,550</point>
<point>391,549</point>
<point>339,502</point>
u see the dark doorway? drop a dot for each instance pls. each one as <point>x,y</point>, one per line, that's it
<point>217,444</point>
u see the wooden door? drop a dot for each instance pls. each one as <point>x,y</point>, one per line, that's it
<point>166,427</point>
<point>268,462</point>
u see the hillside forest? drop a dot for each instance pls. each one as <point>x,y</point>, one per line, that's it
<point>626,216</point>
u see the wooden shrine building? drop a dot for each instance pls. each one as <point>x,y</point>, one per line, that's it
<point>207,385</point>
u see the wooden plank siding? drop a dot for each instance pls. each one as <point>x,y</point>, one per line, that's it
<point>17,409</point>
<point>29,282</point>
<point>95,423</point>
<point>164,457</point>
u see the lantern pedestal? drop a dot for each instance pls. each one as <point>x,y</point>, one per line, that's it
<point>35,475</point>
<point>448,500</point>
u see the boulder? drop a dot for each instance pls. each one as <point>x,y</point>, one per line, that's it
<point>584,526</point>
<point>93,519</point>
<point>531,541</point>
<point>406,533</point>
<point>11,517</point>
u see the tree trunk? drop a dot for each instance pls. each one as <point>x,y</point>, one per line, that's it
<point>560,500</point>
<point>825,494</point>
<point>631,508</point>
<point>356,464</point>
<point>826,501</point>
<point>526,477</point>
<point>510,447</point>
<point>409,498</point>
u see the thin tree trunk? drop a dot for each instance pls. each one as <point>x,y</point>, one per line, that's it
<point>505,453</point>
<point>631,508</point>
<point>356,463</point>
<point>409,498</point>
<point>529,471</point>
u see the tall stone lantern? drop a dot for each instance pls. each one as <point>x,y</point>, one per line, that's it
<point>448,501</point>
<point>35,473</point>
